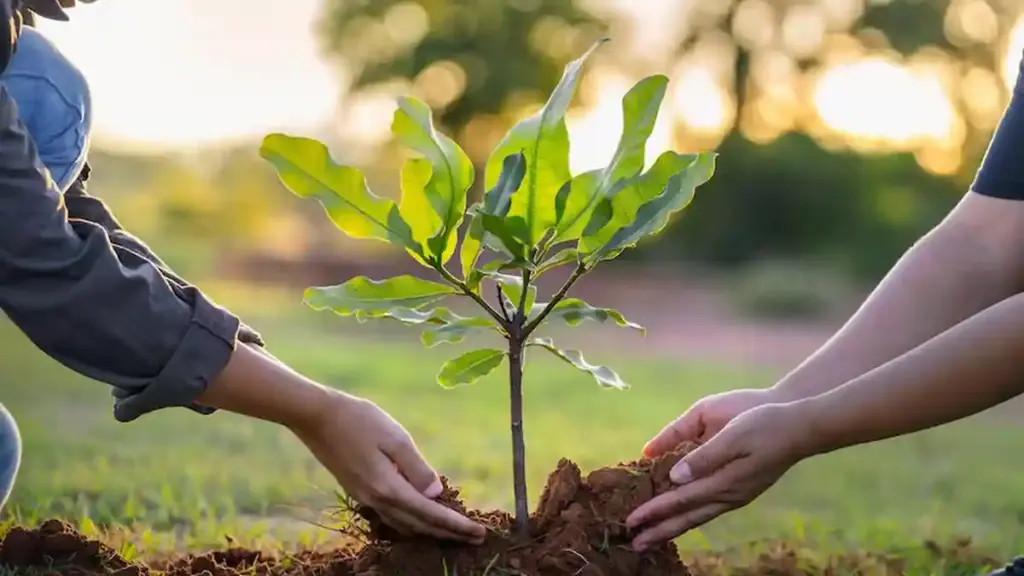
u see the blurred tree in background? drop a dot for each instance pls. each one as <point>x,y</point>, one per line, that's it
<point>192,210</point>
<point>788,185</point>
<point>467,58</point>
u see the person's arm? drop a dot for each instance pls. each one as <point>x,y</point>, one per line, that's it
<point>973,366</point>
<point>969,262</point>
<point>83,206</point>
<point>969,368</point>
<point>55,105</point>
<point>113,317</point>
<point>109,316</point>
<point>366,450</point>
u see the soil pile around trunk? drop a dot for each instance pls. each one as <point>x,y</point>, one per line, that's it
<point>577,530</point>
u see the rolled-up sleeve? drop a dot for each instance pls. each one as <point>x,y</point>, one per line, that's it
<point>81,205</point>
<point>105,312</point>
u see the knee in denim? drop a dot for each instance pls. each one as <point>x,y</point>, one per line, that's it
<point>10,453</point>
<point>54,103</point>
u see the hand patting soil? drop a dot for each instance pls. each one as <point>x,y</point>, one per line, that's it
<point>578,530</point>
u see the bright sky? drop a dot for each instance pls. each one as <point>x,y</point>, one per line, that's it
<point>179,73</point>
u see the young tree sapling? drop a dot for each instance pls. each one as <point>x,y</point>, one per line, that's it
<point>535,216</point>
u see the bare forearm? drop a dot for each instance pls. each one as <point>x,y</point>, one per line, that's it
<point>255,384</point>
<point>947,277</point>
<point>967,369</point>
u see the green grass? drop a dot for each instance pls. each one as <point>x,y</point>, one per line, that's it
<point>191,479</point>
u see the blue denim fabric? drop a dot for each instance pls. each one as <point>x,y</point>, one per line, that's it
<point>10,453</point>
<point>53,101</point>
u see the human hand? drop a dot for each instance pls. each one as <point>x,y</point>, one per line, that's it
<point>705,418</point>
<point>366,450</point>
<point>376,461</point>
<point>728,472</point>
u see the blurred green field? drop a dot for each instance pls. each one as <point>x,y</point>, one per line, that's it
<point>189,479</point>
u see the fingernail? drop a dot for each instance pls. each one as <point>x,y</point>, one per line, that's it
<point>681,473</point>
<point>639,546</point>
<point>434,490</point>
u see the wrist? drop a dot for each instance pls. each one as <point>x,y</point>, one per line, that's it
<point>257,385</point>
<point>818,435</point>
<point>311,402</point>
<point>310,421</point>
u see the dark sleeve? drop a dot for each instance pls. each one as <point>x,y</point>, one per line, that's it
<point>82,206</point>
<point>100,310</point>
<point>1002,171</point>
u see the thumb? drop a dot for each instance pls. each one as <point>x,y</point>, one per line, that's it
<point>415,469</point>
<point>704,460</point>
<point>687,427</point>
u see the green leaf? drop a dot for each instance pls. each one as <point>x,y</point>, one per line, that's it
<point>408,316</point>
<point>360,295</point>
<point>506,235</point>
<point>606,377</point>
<point>445,325</point>
<point>496,202</point>
<point>455,331</point>
<point>414,206</point>
<point>469,367</point>
<point>512,286</point>
<point>626,197</point>
<point>476,275</point>
<point>572,199</point>
<point>564,256</point>
<point>574,311</point>
<point>452,171</point>
<point>544,140</point>
<point>306,168</point>
<point>472,242</point>
<point>652,211</point>
<point>639,113</point>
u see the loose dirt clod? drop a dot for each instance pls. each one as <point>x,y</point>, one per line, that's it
<point>577,530</point>
<point>56,548</point>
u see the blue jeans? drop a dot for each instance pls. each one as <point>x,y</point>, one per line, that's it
<point>10,453</point>
<point>53,102</point>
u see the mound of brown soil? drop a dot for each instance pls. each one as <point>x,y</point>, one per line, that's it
<point>577,530</point>
<point>56,548</point>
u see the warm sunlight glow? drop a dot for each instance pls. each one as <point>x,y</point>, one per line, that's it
<point>595,132</point>
<point>878,99</point>
<point>699,100</point>
<point>182,72</point>
<point>171,74</point>
<point>1011,64</point>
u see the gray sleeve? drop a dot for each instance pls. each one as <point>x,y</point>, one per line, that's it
<point>100,310</point>
<point>81,205</point>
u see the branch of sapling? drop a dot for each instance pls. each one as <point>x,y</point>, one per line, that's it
<point>501,303</point>
<point>476,297</point>
<point>580,270</point>
<point>520,316</point>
